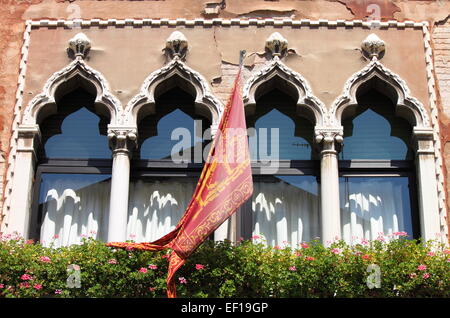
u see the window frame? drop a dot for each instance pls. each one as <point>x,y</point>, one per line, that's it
<point>386,168</point>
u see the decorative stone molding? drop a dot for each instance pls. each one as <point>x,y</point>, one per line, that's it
<point>277,45</point>
<point>436,132</point>
<point>406,105</point>
<point>245,22</point>
<point>45,102</point>
<point>373,46</point>
<point>177,45</point>
<point>306,98</point>
<point>12,153</point>
<point>330,139</point>
<point>79,46</point>
<point>205,102</point>
<point>122,139</point>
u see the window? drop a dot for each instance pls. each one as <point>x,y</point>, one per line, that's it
<point>73,174</point>
<point>161,188</point>
<point>284,208</point>
<point>377,179</point>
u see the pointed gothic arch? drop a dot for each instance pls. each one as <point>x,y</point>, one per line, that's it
<point>277,72</point>
<point>175,73</point>
<point>376,75</point>
<point>74,75</point>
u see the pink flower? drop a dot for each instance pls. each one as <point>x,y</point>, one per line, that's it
<point>336,251</point>
<point>2,286</point>
<point>400,233</point>
<point>26,277</point>
<point>56,236</point>
<point>426,275</point>
<point>132,235</point>
<point>75,267</point>
<point>304,245</point>
<point>165,256</point>
<point>276,247</point>
<point>380,238</point>
<point>37,286</point>
<point>112,261</point>
<point>310,258</point>
<point>24,285</point>
<point>182,280</point>
<point>298,254</point>
<point>93,232</point>
<point>448,259</point>
<point>58,291</point>
<point>151,266</point>
<point>152,289</point>
<point>29,242</point>
<point>129,248</point>
<point>412,275</point>
<point>292,268</point>
<point>365,256</point>
<point>199,267</point>
<point>364,242</point>
<point>256,237</point>
<point>447,252</point>
<point>45,259</point>
<point>143,270</point>
<point>421,267</point>
<point>430,254</point>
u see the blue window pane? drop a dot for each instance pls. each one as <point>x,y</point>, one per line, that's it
<point>375,132</point>
<point>374,206</point>
<point>179,126</point>
<point>275,138</point>
<point>79,138</point>
<point>280,133</point>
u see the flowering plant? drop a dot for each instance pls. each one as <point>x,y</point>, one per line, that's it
<point>407,268</point>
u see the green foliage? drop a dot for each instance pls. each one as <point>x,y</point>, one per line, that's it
<point>222,269</point>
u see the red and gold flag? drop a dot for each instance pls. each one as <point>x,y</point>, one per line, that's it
<point>224,185</point>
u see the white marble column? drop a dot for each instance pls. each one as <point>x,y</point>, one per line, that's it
<point>122,142</point>
<point>329,184</point>
<point>426,184</point>
<point>21,196</point>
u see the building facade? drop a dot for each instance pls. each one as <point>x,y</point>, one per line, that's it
<point>109,108</point>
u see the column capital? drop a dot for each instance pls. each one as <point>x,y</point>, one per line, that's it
<point>29,139</point>
<point>122,139</point>
<point>330,139</point>
<point>422,139</point>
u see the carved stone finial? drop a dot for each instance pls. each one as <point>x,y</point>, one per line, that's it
<point>79,45</point>
<point>276,44</point>
<point>373,46</point>
<point>177,45</point>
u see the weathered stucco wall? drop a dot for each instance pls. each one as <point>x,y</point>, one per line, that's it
<point>221,49</point>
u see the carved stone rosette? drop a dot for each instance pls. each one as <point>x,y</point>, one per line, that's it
<point>373,46</point>
<point>177,45</point>
<point>79,46</point>
<point>277,45</point>
<point>122,140</point>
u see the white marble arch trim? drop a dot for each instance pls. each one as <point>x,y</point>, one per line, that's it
<point>175,67</point>
<point>306,97</point>
<point>376,68</point>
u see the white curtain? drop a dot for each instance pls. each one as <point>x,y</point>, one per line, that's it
<point>285,214</point>
<point>73,210</point>
<point>155,207</point>
<point>372,206</point>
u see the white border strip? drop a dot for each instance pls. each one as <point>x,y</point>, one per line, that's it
<point>10,162</point>
<point>225,23</point>
<point>436,133</point>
